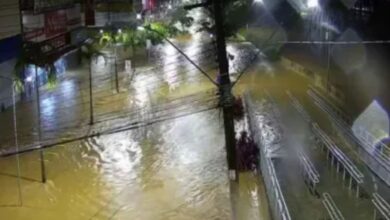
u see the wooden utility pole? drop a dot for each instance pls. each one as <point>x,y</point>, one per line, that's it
<point>225,88</point>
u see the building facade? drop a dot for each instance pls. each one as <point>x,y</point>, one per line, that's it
<point>10,41</point>
<point>56,29</point>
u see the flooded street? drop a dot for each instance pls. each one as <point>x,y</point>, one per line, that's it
<point>173,168</point>
<point>169,161</point>
<point>126,106</point>
<point>156,147</point>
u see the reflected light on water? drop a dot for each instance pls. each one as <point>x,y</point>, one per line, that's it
<point>170,68</point>
<point>119,155</point>
<point>48,104</point>
<point>143,85</point>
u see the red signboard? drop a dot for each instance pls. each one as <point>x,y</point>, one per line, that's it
<point>55,23</point>
<point>44,26</point>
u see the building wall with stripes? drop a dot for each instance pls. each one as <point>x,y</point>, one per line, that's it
<point>10,26</point>
<point>9,18</point>
<point>10,44</point>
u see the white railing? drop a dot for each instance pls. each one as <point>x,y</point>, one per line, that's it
<point>339,158</point>
<point>331,207</point>
<point>276,198</point>
<point>377,161</point>
<point>381,206</point>
<point>309,169</point>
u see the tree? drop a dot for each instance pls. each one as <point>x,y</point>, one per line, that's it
<point>237,13</point>
<point>180,17</point>
<point>31,53</point>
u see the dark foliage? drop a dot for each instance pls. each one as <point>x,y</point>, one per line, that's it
<point>247,153</point>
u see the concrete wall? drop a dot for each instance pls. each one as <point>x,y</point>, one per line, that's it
<point>5,85</point>
<point>9,18</point>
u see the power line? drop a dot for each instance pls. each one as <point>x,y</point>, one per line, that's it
<point>130,126</point>
<point>166,106</point>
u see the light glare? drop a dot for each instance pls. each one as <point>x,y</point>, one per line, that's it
<point>312,3</point>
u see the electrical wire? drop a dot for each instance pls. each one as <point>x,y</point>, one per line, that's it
<point>129,126</point>
<point>128,113</point>
<point>151,84</point>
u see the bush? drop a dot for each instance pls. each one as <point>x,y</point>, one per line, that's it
<point>247,153</point>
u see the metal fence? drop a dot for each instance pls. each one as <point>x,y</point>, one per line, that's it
<point>375,160</point>
<point>382,207</point>
<point>276,199</point>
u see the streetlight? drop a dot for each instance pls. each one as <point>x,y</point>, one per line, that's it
<point>15,135</point>
<point>312,3</point>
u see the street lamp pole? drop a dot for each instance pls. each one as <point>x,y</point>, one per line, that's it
<point>41,153</point>
<point>16,139</point>
<point>90,91</point>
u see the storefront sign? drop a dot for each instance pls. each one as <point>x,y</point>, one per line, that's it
<point>55,23</point>
<point>40,27</point>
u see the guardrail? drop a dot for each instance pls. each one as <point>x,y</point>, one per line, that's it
<point>381,206</point>
<point>297,105</point>
<point>375,160</point>
<point>330,206</point>
<point>334,153</point>
<point>276,199</point>
<point>336,156</point>
<point>310,172</point>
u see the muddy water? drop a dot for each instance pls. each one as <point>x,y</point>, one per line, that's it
<point>174,169</point>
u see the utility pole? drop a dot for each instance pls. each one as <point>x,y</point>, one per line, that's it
<point>225,88</point>
<point>226,100</point>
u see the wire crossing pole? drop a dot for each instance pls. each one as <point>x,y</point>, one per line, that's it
<point>225,88</point>
<point>227,100</point>
<point>41,156</point>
